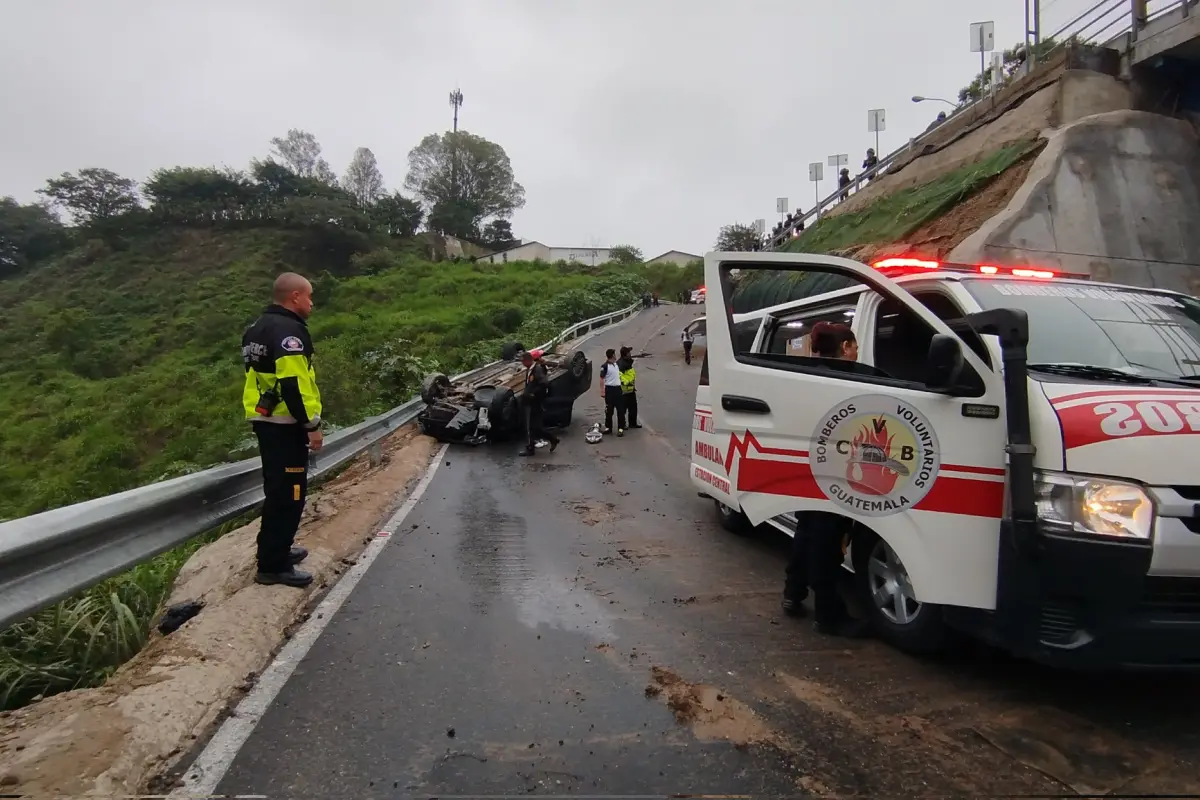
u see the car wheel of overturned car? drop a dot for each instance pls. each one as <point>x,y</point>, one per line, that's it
<point>733,520</point>
<point>503,411</point>
<point>890,601</point>
<point>434,387</point>
<point>577,365</point>
<point>509,351</point>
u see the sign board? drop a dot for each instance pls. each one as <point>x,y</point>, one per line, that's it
<point>839,160</point>
<point>816,172</point>
<point>781,205</point>
<point>983,37</point>
<point>876,120</point>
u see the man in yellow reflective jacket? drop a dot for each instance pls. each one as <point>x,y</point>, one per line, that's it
<point>629,385</point>
<point>283,404</point>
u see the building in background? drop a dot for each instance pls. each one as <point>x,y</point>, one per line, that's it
<point>675,257</point>
<point>533,251</point>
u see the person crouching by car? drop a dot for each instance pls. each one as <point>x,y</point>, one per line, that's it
<point>537,387</point>
<point>610,390</point>
<point>628,386</point>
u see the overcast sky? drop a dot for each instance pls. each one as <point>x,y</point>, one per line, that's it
<point>648,122</point>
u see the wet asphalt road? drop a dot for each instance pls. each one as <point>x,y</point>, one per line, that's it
<point>577,623</point>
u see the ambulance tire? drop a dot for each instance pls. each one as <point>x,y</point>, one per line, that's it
<point>733,520</point>
<point>925,632</point>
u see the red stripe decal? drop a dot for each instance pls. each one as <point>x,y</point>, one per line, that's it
<point>974,470</point>
<point>964,496</point>
<point>1147,393</point>
<point>1107,420</point>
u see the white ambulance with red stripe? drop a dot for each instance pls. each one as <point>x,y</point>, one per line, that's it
<point>1018,449</point>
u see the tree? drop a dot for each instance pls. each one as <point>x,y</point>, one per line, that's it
<point>28,233</point>
<point>301,152</point>
<point>497,235</point>
<point>1013,60</point>
<point>397,215</point>
<point>93,195</point>
<point>199,194</point>
<point>463,179</point>
<point>363,180</point>
<point>738,237</point>
<point>625,254</point>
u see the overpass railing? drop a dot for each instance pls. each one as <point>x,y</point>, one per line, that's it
<point>1108,23</point>
<point>53,555</point>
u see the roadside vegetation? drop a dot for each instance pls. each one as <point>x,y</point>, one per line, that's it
<point>120,334</point>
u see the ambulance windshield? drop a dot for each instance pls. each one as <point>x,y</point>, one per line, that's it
<point>1136,331</point>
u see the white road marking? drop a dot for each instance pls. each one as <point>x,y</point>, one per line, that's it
<point>211,765</point>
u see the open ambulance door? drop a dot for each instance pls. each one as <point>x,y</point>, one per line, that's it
<point>908,441</point>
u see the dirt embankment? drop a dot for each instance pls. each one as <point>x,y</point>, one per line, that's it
<point>114,740</point>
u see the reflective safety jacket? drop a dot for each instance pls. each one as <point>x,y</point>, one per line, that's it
<point>277,352</point>
<point>628,376</point>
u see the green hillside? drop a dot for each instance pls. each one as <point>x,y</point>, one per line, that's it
<point>121,367</point>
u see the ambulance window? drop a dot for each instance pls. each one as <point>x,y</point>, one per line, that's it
<point>789,335</point>
<point>902,345</point>
<point>945,309</point>
<point>744,333</point>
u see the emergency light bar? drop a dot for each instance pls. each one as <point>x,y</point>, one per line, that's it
<point>900,266</point>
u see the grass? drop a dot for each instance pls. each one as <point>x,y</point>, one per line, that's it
<point>891,218</point>
<point>123,368</point>
<point>888,220</point>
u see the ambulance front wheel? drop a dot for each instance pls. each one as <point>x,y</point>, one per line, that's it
<point>890,600</point>
<point>733,520</point>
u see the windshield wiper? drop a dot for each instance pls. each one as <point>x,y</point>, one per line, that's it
<point>1090,371</point>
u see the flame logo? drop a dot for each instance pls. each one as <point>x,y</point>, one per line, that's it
<point>871,470</point>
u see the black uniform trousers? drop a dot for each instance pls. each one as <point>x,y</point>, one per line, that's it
<point>630,401</point>
<point>815,560</point>
<point>284,452</point>
<point>535,424</point>
<point>614,401</point>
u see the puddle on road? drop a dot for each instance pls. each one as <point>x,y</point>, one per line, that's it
<point>557,603</point>
<point>491,550</point>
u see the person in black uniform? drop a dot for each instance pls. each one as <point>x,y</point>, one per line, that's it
<point>816,558</point>
<point>283,404</point>
<point>628,386</point>
<point>537,387</point>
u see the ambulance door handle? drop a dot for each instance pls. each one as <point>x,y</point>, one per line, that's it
<point>749,405</point>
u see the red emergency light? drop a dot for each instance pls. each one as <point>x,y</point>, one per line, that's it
<point>904,265</point>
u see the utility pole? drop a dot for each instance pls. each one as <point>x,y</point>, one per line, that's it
<point>1033,32</point>
<point>456,100</point>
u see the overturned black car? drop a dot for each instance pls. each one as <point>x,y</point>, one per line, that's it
<point>488,406</point>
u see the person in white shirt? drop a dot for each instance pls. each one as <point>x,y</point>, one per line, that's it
<point>686,337</point>
<point>610,390</point>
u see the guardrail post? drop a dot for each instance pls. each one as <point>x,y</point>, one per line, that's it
<point>375,453</point>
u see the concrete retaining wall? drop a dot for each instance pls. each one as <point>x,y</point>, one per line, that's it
<point>1115,195</point>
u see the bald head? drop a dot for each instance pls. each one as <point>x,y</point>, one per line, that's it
<point>293,292</point>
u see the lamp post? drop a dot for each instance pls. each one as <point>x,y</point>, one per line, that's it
<point>921,99</point>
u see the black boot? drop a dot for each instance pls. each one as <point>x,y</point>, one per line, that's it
<point>794,608</point>
<point>528,451</point>
<point>297,554</point>
<point>554,443</point>
<point>293,577</point>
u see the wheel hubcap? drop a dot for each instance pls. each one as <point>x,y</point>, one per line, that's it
<point>891,589</point>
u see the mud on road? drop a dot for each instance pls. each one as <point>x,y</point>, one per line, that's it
<point>578,623</point>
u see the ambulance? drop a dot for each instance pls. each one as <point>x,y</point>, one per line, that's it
<point>1016,450</point>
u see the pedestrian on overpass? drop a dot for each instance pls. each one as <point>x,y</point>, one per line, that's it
<point>629,386</point>
<point>610,390</point>
<point>537,389</point>
<point>283,404</point>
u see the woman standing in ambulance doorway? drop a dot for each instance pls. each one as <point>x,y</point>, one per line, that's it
<point>816,557</point>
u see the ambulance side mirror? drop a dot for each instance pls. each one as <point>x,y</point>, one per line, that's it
<point>944,363</point>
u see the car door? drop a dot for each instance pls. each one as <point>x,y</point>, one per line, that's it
<point>921,468</point>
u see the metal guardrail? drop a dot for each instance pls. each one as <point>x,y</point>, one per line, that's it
<point>50,556</point>
<point>1093,26</point>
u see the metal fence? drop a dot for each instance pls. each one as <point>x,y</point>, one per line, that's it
<point>1109,23</point>
<point>47,557</point>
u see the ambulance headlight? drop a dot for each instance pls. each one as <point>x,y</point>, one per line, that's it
<point>1081,504</point>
